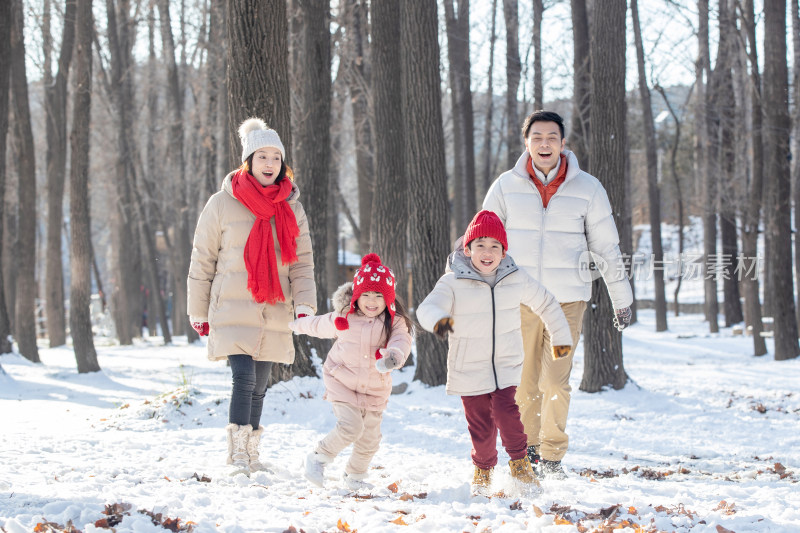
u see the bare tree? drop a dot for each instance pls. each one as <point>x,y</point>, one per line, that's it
<point>486,154</point>
<point>776,170</point>
<point>750,226</point>
<point>80,229</point>
<point>673,167</point>
<point>56,158</point>
<point>581,83</point>
<point>25,322</point>
<point>182,248</point>
<point>653,192</point>
<point>391,186</point>
<point>5,67</point>
<point>356,54</point>
<point>602,342</point>
<point>796,139</point>
<point>538,87</point>
<point>424,149</point>
<point>457,22</point>
<point>513,68</point>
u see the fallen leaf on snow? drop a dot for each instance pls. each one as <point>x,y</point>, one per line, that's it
<point>399,521</point>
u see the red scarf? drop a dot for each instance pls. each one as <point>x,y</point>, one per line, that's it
<point>259,251</point>
<point>547,191</point>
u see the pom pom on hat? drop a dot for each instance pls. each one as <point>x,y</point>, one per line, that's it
<point>254,134</point>
<point>486,224</point>
<point>373,276</point>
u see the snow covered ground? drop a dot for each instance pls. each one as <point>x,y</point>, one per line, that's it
<point>705,437</point>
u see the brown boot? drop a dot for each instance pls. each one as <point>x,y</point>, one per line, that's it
<point>522,472</point>
<point>481,482</point>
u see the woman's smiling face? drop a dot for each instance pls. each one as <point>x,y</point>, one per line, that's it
<point>266,165</point>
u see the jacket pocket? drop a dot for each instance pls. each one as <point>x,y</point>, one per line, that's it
<point>459,354</point>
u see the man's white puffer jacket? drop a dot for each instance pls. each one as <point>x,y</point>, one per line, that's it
<point>552,243</point>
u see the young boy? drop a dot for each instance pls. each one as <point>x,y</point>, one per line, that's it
<point>478,302</point>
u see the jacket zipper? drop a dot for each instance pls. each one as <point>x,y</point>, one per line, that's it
<point>494,337</point>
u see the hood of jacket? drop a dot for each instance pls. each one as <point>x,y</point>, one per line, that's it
<point>459,264</point>
<point>342,297</point>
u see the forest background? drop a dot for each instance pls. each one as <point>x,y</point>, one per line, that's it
<point>118,119</point>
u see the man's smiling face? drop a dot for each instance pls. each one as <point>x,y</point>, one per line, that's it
<point>544,143</point>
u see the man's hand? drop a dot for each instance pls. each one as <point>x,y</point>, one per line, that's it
<point>443,327</point>
<point>201,328</point>
<point>390,359</point>
<point>561,351</point>
<point>622,318</point>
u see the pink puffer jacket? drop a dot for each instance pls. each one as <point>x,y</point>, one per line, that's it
<point>349,371</point>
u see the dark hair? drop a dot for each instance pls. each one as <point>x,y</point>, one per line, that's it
<point>399,312</point>
<point>542,116</point>
<point>248,166</point>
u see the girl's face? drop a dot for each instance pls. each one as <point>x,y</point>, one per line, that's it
<point>266,165</point>
<point>371,303</point>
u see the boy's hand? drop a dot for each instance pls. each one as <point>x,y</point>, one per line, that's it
<point>390,359</point>
<point>443,327</point>
<point>622,318</point>
<point>561,351</point>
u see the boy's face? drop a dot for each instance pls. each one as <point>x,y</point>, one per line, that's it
<point>485,254</point>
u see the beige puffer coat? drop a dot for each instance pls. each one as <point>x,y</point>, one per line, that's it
<point>485,347</point>
<point>349,371</point>
<point>217,284</point>
<point>556,245</point>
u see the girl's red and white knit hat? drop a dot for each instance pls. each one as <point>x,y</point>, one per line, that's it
<point>373,276</point>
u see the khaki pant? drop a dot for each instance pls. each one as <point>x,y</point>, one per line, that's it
<point>544,393</point>
<point>359,427</point>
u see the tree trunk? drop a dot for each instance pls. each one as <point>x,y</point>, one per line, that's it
<point>313,141</point>
<point>391,199</point>
<point>673,166</point>
<point>729,186</point>
<point>776,171</point>
<point>581,83</point>
<point>424,149</point>
<point>182,250</point>
<point>5,67</point>
<point>56,158</point>
<point>358,78</point>
<point>513,68</point>
<point>602,342</point>
<point>750,263</point>
<point>796,140</point>
<point>538,88</point>
<point>488,133</point>
<point>80,228</point>
<point>457,22</point>
<point>653,192</point>
<point>25,322</point>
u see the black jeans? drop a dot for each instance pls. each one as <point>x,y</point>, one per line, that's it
<point>249,387</point>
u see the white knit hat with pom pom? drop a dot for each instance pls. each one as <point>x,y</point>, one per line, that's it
<point>255,134</point>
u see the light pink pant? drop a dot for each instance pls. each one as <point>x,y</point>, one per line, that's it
<point>359,427</point>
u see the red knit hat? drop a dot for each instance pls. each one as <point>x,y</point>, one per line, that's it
<point>486,224</point>
<point>373,276</point>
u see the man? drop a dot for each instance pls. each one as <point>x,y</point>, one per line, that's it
<point>555,214</point>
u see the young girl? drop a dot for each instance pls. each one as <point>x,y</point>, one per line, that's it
<point>251,266</point>
<point>373,336</point>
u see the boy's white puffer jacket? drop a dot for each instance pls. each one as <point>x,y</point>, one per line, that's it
<point>551,244</point>
<point>485,352</point>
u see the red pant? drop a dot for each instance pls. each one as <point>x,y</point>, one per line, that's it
<point>486,413</point>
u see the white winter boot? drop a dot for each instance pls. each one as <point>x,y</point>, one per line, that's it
<point>252,450</point>
<point>315,467</point>
<point>357,481</point>
<point>238,437</point>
